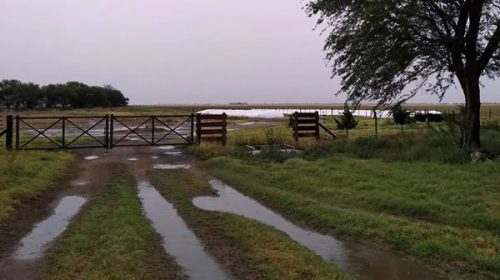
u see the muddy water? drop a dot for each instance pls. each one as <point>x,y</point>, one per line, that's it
<point>358,261</point>
<point>33,245</point>
<point>91,157</point>
<point>171,166</point>
<point>179,241</point>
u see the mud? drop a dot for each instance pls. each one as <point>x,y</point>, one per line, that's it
<point>24,258</point>
<point>357,260</point>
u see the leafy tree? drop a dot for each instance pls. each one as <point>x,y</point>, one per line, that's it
<point>346,121</point>
<point>381,47</point>
<point>19,95</point>
<point>401,116</point>
<point>9,96</point>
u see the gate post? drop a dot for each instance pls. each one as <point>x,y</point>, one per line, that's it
<point>106,132</point>
<point>17,132</point>
<point>192,128</point>
<point>296,126</point>
<point>198,129</point>
<point>111,129</point>
<point>224,130</point>
<point>63,132</point>
<point>9,133</point>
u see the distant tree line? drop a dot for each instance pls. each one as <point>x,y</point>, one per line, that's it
<point>15,94</point>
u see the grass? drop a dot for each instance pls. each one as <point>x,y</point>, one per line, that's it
<point>26,175</point>
<point>111,240</point>
<point>250,250</point>
<point>445,215</point>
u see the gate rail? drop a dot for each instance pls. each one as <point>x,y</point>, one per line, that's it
<point>147,129</point>
<point>64,141</point>
<point>108,131</point>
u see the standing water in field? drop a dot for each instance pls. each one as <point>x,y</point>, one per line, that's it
<point>179,241</point>
<point>357,260</point>
<point>33,245</point>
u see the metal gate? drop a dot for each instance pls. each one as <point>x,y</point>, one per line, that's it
<point>104,131</point>
<point>130,131</point>
<point>72,132</point>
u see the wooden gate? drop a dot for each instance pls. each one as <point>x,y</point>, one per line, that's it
<point>307,125</point>
<point>211,128</point>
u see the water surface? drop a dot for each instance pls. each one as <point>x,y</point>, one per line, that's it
<point>179,241</point>
<point>357,260</point>
<point>34,244</point>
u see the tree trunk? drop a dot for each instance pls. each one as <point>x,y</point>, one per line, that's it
<point>471,120</point>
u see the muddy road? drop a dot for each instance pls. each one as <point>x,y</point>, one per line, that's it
<point>25,258</point>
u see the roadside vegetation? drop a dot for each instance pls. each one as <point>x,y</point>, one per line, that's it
<point>249,249</point>
<point>112,240</point>
<point>415,192</point>
<point>447,215</point>
<point>24,176</point>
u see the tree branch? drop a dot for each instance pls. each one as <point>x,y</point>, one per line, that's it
<point>490,49</point>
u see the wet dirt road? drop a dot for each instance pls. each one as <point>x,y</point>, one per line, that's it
<point>25,259</point>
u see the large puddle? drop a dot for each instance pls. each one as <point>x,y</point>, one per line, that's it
<point>357,260</point>
<point>34,244</point>
<point>179,241</point>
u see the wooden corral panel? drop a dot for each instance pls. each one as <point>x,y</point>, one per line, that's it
<point>211,128</point>
<point>305,125</point>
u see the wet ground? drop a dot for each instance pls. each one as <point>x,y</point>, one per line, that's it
<point>180,241</point>
<point>25,259</point>
<point>357,260</point>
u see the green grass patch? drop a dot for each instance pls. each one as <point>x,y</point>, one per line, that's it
<point>250,250</point>
<point>112,240</point>
<point>446,215</point>
<point>26,175</point>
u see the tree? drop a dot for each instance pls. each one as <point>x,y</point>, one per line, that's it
<point>401,116</point>
<point>346,121</point>
<point>381,47</point>
<point>19,95</point>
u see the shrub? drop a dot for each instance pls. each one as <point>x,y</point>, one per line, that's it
<point>401,116</point>
<point>346,121</point>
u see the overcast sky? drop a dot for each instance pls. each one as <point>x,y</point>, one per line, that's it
<point>171,52</point>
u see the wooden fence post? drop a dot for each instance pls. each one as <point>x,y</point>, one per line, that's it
<point>296,126</point>
<point>376,122</point>
<point>317,125</point>
<point>224,130</point>
<point>198,129</point>
<point>18,132</point>
<point>192,129</point>
<point>10,132</point>
<point>111,130</point>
